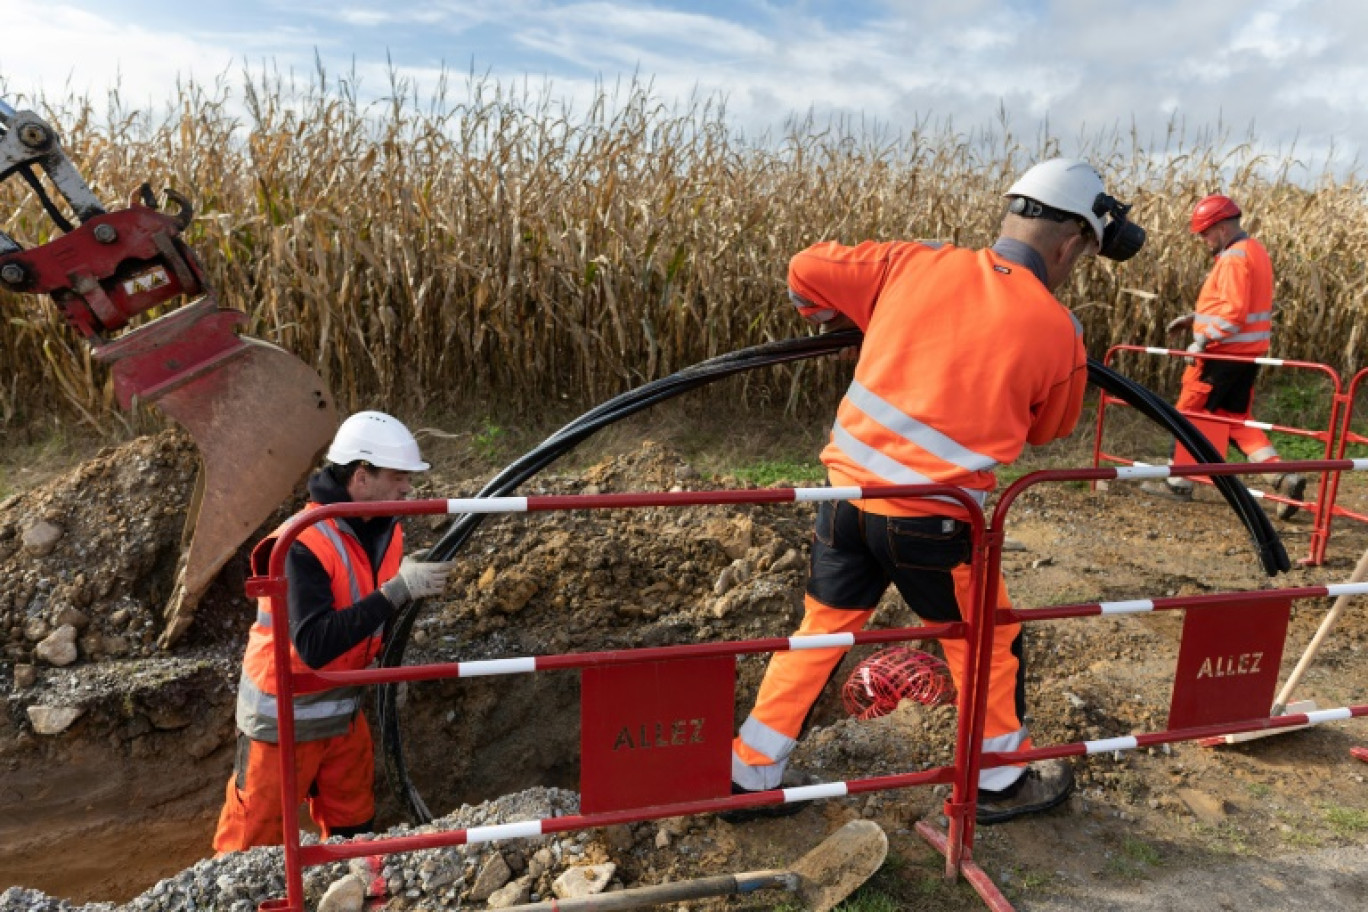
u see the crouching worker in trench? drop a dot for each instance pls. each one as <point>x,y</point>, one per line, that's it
<point>967,356</point>
<point>347,576</point>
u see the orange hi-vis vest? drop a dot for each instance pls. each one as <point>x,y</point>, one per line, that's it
<point>966,357</point>
<point>1235,307</point>
<point>327,713</point>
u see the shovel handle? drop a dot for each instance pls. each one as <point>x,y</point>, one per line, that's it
<point>703,887</point>
<point>1327,624</point>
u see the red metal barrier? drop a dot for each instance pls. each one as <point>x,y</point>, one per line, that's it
<point>961,776</point>
<point>1232,717</point>
<point>1346,437</point>
<point>1322,507</point>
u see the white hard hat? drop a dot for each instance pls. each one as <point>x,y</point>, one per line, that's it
<point>1066,184</point>
<point>380,440</point>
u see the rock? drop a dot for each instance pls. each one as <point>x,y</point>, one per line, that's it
<point>59,648</point>
<point>792,559</point>
<point>487,578</point>
<point>514,893</point>
<point>662,839</point>
<point>53,720</point>
<point>25,676</point>
<point>584,880</point>
<point>1012,544</point>
<point>493,875</point>
<point>345,895</point>
<point>72,616</point>
<point>35,629</point>
<point>540,863</point>
<point>1204,806</point>
<point>41,538</point>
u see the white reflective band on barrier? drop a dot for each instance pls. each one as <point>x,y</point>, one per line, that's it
<point>822,641</point>
<point>1276,362</point>
<point>1360,465</point>
<point>813,494</point>
<point>809,792</point>
<point>1256,493</point>
<point>487,505</point>
<point>1261,425</point>
<point>1328,715</point>
<point>521,830</point>
<point>1157,351</point>
<point>1107,745</point>
<point>1140,470</point>
<point>1131,607</point>
<point>1347,589</point>
<point>496,667</point>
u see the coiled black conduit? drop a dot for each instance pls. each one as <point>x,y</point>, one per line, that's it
<point>1271,553</point>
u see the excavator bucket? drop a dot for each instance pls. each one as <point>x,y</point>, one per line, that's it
<point>260,422</point>
<point>259,416</point>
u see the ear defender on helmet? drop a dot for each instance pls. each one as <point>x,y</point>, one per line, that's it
<point>1121,239</point>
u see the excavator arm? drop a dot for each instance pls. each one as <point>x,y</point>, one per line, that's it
<point>259,416</point>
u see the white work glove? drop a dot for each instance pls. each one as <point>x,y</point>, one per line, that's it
<point>416,579</point>
<point>1197,346</point>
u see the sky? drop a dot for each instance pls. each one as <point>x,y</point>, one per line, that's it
<point>1291,73</point>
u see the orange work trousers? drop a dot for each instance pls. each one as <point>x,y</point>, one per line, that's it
<point>855,556</point>
<point>336,776</point>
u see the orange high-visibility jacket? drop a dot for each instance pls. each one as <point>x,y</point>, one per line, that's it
<point>966,357</point>
<point>327,713</point>
<point>1234,311</point>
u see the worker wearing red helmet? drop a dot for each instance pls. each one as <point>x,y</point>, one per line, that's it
<point>345,578</point>
<point>967,356</point>
<point>1233,316</point>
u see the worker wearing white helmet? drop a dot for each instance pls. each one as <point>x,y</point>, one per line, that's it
<point>967,356</point>
<point>346,578</point>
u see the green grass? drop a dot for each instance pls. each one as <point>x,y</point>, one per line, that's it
<point>1134,859</point>
<point>772,472</point>
<point>1346,821</point>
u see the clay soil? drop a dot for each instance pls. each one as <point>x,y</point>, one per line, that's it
<point>127,792</point>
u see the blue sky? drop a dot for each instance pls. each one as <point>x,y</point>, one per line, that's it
<point>1293,69</point>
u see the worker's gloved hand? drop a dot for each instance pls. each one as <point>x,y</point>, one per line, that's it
<point>1196,347</point>
<point>416,579</point>
<point>1179,324</point>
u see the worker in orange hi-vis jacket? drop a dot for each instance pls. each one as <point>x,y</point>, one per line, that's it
<point>1233,316</point>
<point>967,356</point>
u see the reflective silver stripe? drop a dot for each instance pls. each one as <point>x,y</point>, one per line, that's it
<point>1078,325</point>
<point>1222,325</point>
<point>756,778</point>
<point>824,315</point>
<point>871,460</point>
<point>760,737</point>
<point>910,429</point>
<point>1259,316</point>
<point>1000,777</point>
<point>324,714</point>
<point>1233,251</point>
<point>336,540</point>
<point>263,619</point>
<point>1247,337</point>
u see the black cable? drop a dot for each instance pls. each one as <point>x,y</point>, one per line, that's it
<point>1271,552</point>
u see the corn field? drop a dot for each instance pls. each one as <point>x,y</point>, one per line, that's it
<point>420,252</point>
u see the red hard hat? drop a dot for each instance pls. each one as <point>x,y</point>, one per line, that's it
<point>1213,209</point>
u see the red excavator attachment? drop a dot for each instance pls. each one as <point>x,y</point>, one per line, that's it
<point>259,416</point>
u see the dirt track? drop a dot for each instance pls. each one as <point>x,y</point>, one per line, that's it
<point>150,751</point>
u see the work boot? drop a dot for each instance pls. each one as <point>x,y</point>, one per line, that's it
<point>1043,786</point>
<point>1293,486</point>
<point>763,812</point>
<point>1167,489</point>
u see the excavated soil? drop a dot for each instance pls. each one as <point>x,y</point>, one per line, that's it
<point>115,753</point>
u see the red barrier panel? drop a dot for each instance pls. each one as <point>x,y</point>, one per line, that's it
<point>1346,437</point>
<point>1217,428</point>
<point>692,730</point>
